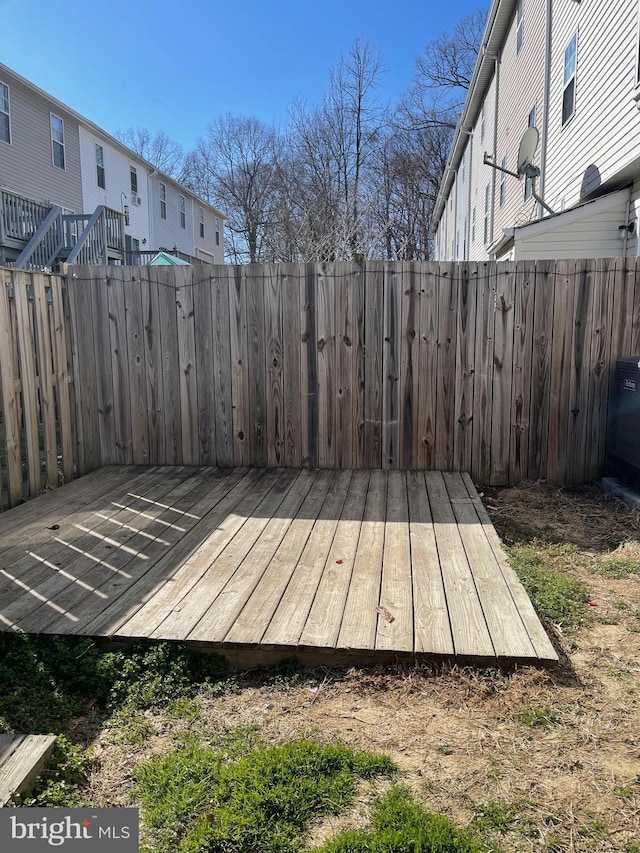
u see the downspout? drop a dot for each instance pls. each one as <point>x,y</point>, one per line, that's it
<point>627,214</point>
<point>545,110</point>
<point>454,254</point>
<point>152,236</point>
<point>495,149</point>
<point>469,173</point>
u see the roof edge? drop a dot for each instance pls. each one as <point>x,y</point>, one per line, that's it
<point>4,69</point>
<point>496,29</point>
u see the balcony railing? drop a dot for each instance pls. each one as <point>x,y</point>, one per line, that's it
<point>20,217</point>
<point>46,244</point>
<point>103,231</point>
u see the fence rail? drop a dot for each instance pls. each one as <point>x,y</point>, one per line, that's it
<point>499,369</point>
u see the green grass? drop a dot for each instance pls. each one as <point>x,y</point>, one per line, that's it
<point>199,797</point>
<point>494,815</point>
<point>45,683</point>
<point>544,570</point>
<point>618,567</point>
<point>541,718</point>
<point>400,825</point>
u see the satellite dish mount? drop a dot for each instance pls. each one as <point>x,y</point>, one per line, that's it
<point>526,169</point>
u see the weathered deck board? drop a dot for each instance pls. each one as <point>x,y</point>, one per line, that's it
<point>175,609</point>
<point>356,564</point>
<point>358,628</point>
<point>22,758</point>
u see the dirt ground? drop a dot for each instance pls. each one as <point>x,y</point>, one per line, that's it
<point>541,760</point>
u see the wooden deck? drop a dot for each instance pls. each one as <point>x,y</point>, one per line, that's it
<point>342,566</point>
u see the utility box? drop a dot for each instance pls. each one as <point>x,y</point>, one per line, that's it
<point>623,437</point>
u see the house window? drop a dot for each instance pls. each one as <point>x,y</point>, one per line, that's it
<point>217,231</point>
<point>183,212</point>
<point>531,121</point>
<point>482,124</point>
<point>5,114</point>
<point>487,206</point>
<point>462,171</point>
<point>503,181</point>
<point>134,180</point>
<point>57,141</point>
<point>163,201</point>
<point>569,80</point>
<point>519,27</point>
<point>100,177</point>
<point>473,225</point>
<point>201,215</point>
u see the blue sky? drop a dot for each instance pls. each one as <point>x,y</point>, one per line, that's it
<point>175,66</point>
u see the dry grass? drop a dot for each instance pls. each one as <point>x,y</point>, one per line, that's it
<point>543,761</point>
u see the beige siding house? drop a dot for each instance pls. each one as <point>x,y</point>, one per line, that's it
<point>571,69</point>
<point>53,159</point>
<point>29,165</point>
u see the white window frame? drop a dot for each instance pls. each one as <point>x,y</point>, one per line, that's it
<point>217,230</point>
<point>163,200</point>
<point>59,142</point>
<point>571,79</point>
<point>503,181</point>
<point>473,225</point>
<point>6,111</point>
<point>100,175</point>
<point>183,211</point>
<point>519,27</point>
<point>133,179</point>
<point>201,219</point>
<point>482,123</point>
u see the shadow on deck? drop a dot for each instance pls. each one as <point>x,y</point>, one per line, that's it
<point>335,566</point>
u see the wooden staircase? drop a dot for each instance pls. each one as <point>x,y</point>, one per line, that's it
<point>44,237</point>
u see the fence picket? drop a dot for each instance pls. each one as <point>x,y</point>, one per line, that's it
<point>501,369</point>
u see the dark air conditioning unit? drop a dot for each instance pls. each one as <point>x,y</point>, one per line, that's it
<point>623,439</point>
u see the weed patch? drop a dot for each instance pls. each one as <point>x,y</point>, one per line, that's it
<point>617,567</point>
<point>542,568</point>
<point>196,799</point>
<point>495,815</point>
<point>539,717</point>
<point>400,825</point>
<point>59,785</point>
<point>45,681</point>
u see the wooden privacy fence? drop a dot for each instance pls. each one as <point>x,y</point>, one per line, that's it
<point>37,417</point>
<point>500,369</point>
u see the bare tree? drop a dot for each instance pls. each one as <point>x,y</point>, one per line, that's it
<point>332,153</point>
<point>448,61</point>
<point>159,150</point>
<point>235,168</point>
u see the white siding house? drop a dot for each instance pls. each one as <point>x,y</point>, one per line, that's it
<point>571,69</point>
<point>51,155</point>
<point>110,183</point>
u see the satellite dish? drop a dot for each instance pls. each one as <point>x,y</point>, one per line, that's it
<point>527,149</point>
